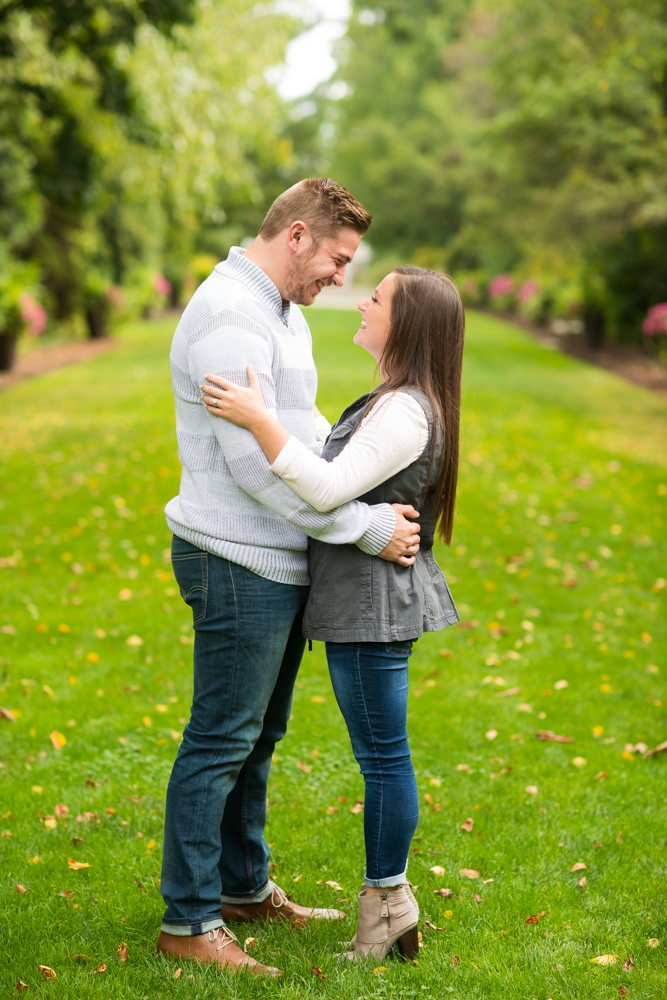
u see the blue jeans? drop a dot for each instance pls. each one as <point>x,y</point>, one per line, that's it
<point>248,647</point>
<point>370,681</point>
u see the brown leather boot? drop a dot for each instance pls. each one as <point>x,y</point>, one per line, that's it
<point>275,907</point>
<point>219,946</point>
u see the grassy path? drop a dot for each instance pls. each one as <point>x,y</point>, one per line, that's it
<point>557,566</point>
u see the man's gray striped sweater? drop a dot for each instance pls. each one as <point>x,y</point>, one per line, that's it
<point>230,503</point>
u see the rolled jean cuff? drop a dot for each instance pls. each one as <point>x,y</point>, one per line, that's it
<point>257,897</point>
<point>386,883</point>
<point>192,930</point>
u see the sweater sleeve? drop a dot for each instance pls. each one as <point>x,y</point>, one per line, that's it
<point>371,527</point>
<point>391,437</point>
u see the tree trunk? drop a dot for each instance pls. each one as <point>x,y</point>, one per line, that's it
<point>97,323</point>
<point>7,350</point>
<point>594,328</point>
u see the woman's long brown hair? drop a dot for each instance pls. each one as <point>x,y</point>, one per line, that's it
<point>425,349</point>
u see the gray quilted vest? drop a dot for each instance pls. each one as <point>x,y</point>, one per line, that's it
<point>355,597</point>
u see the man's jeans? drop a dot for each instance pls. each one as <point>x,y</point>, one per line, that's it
<point>248,648</point>
<point>370,681</point>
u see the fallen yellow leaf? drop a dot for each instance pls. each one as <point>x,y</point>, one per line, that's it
<point>75,865</point>
<point>578,866</point>
<point>58,740</point>
<point>468,872</point>
<point>605,960</point>
<point>48,972</point>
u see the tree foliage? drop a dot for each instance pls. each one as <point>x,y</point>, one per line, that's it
<point>126,128</point>
<point>525,135</point>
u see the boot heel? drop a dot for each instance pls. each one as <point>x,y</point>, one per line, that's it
<point>408,944</point>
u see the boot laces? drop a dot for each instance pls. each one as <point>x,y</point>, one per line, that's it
<point>226,937</point>
<point>278,897</point>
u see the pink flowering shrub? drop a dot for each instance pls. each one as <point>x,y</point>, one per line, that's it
<point>655,321</point>
<point>527,291</point>
<point>33,315</point>
<point>501,286</point>
<point>161,285</point>
<point>116,297</point>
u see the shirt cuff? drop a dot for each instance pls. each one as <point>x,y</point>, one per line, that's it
<point>380,529</point>
<point>289,450</point>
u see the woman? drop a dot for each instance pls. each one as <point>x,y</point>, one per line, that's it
<point>398,444</point>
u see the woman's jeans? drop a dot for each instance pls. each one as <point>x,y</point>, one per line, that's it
<point>248,647</point>
<point>370,681</point>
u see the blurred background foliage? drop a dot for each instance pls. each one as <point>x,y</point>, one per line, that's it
<point>518,144</point>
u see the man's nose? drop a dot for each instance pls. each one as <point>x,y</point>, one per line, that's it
<point>339,277</point>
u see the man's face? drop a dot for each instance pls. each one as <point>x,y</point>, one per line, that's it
<point>313,267</point>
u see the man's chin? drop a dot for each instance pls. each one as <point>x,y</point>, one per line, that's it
<point>304,297</point>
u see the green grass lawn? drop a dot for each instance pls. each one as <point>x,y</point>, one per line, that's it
<point>557,567</point>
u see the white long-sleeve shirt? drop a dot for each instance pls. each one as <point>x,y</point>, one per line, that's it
<point>390,437</point>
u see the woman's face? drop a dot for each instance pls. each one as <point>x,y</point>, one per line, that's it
<point>376,318</point>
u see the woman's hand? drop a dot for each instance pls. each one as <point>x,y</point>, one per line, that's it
<point>241,406</point>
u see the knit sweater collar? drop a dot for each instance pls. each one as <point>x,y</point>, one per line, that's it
<point>257,281</point>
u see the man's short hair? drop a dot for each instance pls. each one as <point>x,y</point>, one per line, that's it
<point>323,205</point>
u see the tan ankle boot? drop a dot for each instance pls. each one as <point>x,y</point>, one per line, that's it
<point>386,919</point>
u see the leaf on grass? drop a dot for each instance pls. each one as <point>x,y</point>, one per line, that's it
<point>463,767</point>
<point>487,880</point>
<point>546,734</point>
<point>531,789</point>
<point>455,961</point>
<point>316,971</point>
<point>605,960</point>
<point>21,986</point>
<point>659,749</point>
<point>61,811</point>
<point>138,885</point>
<point>48,972</point>
<point>177,974</point>
<point>579,761</point>
<point>334,885</point>
<point>445,893</point>
<point>297,878</point>
<point>75,841</point>
<point>122,951</point>
<point>58,740</point>
<point>535,918</point>
<point>358,807</point>
<point>653,942</point>
<point>100,968</point>
<point>560,685</point>
<point>468,872</point>
<point>578,866</point>
<point>430,926</point>
<point>508,693</point>
<point>6,714</point>
<point>491,734</point>
<point>476,898</point>
<point>249,944</point>
<point>629,964</point>
<point>623,991</point>
<point>581,883</point>
<point>437,870</point>
<point>298,924</point>
<point>332,809</point>
<point>601,775</point>
<point>75,865</point>
<point>380,968</point>
<point>67,894</point>
<point>619,837</point>
<point>21,889</point>
<point>468,825</point>
<point>306,768</point>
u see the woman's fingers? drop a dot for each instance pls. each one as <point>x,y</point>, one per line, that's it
<point>219,380</point>
<point>253,381</point>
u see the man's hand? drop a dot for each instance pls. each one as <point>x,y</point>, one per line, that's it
<point>405,540</point>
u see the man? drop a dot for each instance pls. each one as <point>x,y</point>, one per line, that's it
<point>239,556</point>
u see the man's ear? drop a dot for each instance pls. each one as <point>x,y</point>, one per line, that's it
<point>298,236</point>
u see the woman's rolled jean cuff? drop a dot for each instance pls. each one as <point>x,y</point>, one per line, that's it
<point>192,930</point>
<point>386,883</point>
